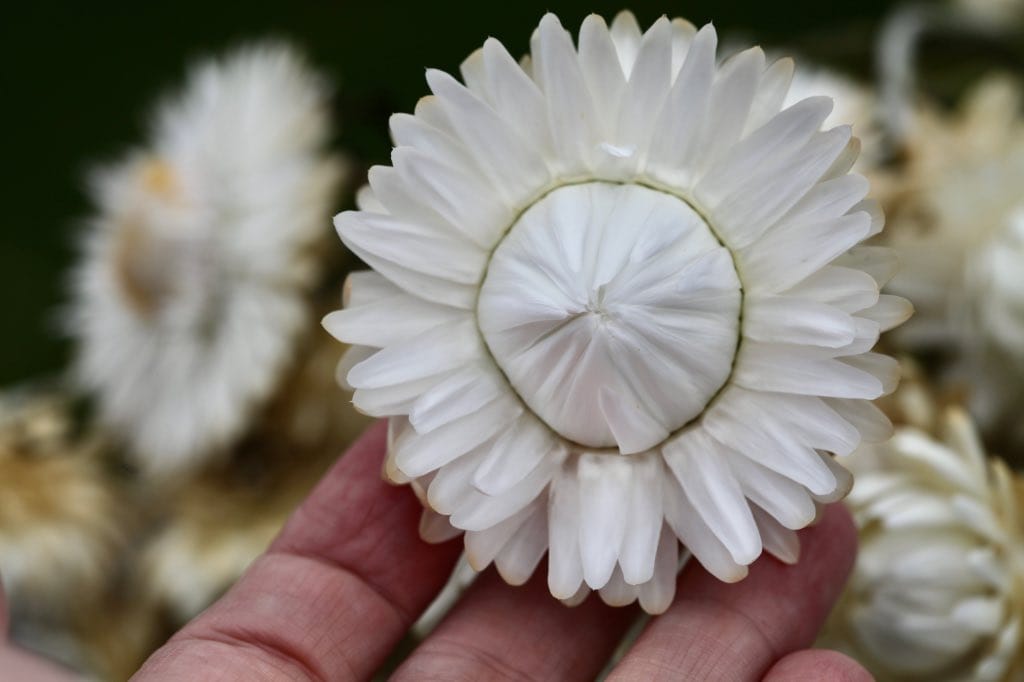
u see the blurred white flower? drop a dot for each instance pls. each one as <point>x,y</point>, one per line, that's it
<point>618,304</point>
<point>938,588</point>
<point>955,219</point>
<point>194,278</point>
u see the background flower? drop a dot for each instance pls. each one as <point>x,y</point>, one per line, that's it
<point>197,270</point>
<point>953,207</point>
<point>938,588</point>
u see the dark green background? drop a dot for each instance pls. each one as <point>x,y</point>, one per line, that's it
<point>77,80</point>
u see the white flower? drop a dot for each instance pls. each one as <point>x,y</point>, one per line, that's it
<point>937,590</point>
<point>195,273</point>
<point>956,223</point>
<point>615,306</point>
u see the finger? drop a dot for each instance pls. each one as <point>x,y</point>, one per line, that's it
<point>498,632</point>
<point>337,589</point>
<point>18,664</point>
<point>817,665</point>
<point>718,631</point>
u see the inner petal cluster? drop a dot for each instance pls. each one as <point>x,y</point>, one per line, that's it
<point>614,312</point>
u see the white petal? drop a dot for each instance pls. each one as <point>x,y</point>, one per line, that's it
<point>795,369</point>
<point>771,93</point>
<point>432,353</point>
<point>414,246</point>
<point>845,288</point>
<point>452,486</point>
<point>648,86</point>
<point>463,392</point>
<point>515,96</point>
<point>657,593</point>
<point>410,204</point>
<point>602,70</point>
<point>515,169</point>
<point>570,111</point>
<point>418,454</point>
<point>889,312</point>
<point>625,33</point>
<point>844,480</point>
<point>788,502</point>
<point>790,252</point>
<point>885,369</point>
<point>482,546</point>
<point>483,511</point>
<point>349,359</point>
<point>880,262</point>
<point>474,74</point>
<point>434,528</point>
<point>519,558</point>
<point>830,198</point>
<point>698,538</point>
<point>782,543</point>
<point>395,400</point>
<point>461,199</point>
<point>416,132</point>
<point>637,557</point>
<point>366,201</point>
<point>871,422</point>
<point>785,319</point>
<point>605,485</point>
<point>514,455</point>
<point>366,287</point>
<point>678,127</point>
<point>565,568</point>
<point>440,289</point>
<point>617,592</point>
<point>394,320</point>
<point>726,188</point>
<point>578,597</point>
<point>683,33</point>
<point>731,97</point>
<point>631,425</point>
<point>699,464</point>
<point>742,421</point>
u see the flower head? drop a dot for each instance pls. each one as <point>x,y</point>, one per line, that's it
<point>956,223</point>
<point>938,589</point>
<point>618,304</point>
<point>195,273</point>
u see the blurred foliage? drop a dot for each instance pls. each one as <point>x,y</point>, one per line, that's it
<point>77,80</point>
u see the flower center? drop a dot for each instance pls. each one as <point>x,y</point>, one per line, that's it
<point>613,311</point>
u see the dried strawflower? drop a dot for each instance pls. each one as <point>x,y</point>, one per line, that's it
<point>196,272</point>
<point>618,304</point>
<point>938,589</point>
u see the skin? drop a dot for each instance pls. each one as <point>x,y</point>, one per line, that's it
<point>348,575</point>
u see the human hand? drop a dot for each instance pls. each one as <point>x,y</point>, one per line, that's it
<point>348,575</point>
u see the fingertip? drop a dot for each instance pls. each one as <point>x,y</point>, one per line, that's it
<point>817,665</point>
<point>832,540</point>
